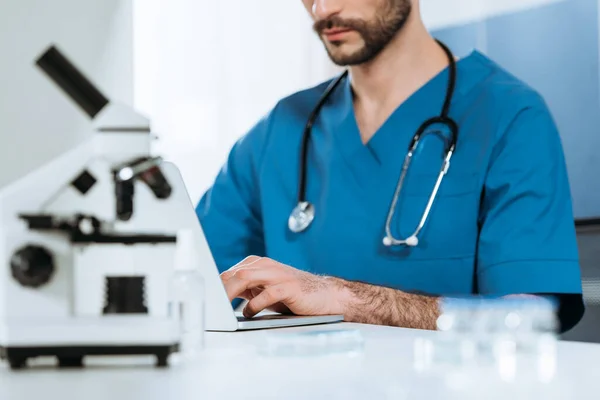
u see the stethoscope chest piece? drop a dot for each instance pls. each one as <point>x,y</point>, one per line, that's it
<point>301,217</point>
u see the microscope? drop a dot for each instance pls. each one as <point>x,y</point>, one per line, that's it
<point>86,268</point>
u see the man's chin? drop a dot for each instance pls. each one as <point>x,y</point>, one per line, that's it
<point>347,54</point>
<point>348,59</point>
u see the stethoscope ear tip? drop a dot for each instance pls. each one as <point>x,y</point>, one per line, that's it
<point>412,241</point>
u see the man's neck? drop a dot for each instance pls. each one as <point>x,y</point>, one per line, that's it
<point>405,65</point>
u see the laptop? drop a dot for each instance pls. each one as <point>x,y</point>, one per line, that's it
<point>178,212</point>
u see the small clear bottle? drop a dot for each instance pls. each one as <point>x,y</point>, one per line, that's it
<point>454,347</point>
<point>458,324</point>
<point>525,345</point>
<point>187,297</point>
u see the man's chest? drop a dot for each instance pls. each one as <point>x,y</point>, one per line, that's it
<point>354,191</point>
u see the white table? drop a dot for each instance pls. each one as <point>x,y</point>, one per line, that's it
<point>230,368</point>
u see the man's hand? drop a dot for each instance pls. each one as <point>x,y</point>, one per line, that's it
<point>269,285</point>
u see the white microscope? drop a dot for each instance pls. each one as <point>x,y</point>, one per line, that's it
<point>86,266</point>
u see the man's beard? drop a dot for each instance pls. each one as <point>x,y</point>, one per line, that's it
<point>376,33</point>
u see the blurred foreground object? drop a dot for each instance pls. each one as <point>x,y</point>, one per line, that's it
<point>88,248</point>
<point>319,343</point>
<point>493,347</point>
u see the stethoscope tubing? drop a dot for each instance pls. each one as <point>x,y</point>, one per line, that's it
<point>303,214</point>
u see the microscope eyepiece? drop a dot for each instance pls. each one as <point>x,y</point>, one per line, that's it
<point>66,75</point>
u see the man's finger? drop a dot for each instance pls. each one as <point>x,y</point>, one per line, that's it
<point>248,260</point>
<point>256,291</point>
<point>246,295</point>
<point>247,279</point>
<point>227,275</point>
<point>245,263</point>
<point>267,298</point>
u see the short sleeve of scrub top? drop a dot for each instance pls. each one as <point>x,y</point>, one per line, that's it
<point>527,240</point>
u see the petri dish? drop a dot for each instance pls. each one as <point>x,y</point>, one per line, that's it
<point>312,343</point>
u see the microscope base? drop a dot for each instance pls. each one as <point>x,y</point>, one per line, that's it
<point>72,357</point>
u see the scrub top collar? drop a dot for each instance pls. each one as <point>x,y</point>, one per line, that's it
<point>382,150</point>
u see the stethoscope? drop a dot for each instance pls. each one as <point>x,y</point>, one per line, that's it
<point>304,213</point>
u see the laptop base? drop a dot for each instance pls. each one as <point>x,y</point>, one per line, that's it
<point>284,321</point>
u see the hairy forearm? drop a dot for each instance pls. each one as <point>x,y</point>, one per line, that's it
<point>369,304</point>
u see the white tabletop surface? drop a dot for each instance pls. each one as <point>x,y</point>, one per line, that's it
<point>231,368</point>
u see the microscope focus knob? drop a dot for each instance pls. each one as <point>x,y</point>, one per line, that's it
<point>32,266</point>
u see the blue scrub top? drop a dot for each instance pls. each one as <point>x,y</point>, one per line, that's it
<point>502,222</point>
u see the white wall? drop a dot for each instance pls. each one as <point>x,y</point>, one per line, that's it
<point>439,14</point>
<point>206,71</point>
<point>37,122</point>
